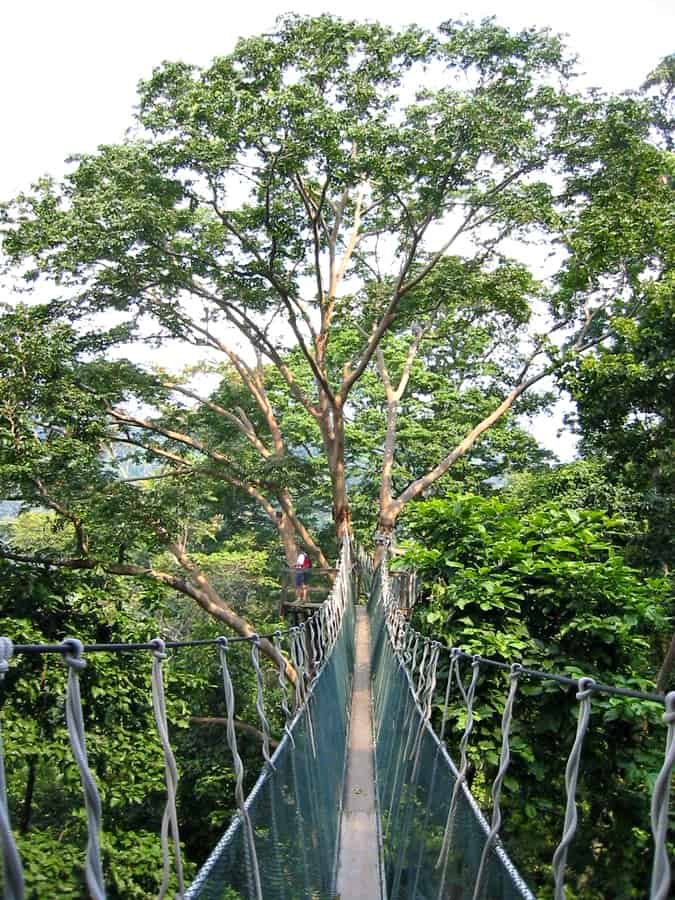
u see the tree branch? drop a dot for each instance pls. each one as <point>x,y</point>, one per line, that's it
<point>243,727</point>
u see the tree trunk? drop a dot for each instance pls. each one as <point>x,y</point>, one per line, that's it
<point>211,602</point>
<point>287,534</point>
<point>27,808</point>
<point>342,516</point>
<point>663,678</point>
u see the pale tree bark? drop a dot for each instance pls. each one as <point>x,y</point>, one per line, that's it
<point>284,518</point>
<point>393,396</point>
<point>391,507</point>
<point>193,583</point>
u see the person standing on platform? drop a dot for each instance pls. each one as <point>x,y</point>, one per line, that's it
<point>302,566</point>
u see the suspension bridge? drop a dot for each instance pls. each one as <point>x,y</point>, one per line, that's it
<point>360,798</point>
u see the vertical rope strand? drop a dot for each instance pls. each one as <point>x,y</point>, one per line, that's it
<point>571,778</point>
<point>72,654</point>
<point>228,690</point>
<point>424,703</point>
<point>660,809</point>
<point>170,816</point>
<point>454,656</point>
<point>260,699</point>
<point>469,695</point>
<point>283,686</point>
<point>12,869</point>
<point>504,760</point>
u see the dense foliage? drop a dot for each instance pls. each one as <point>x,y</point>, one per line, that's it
<point>332,237</point>
<point>46,806</point>
<point>549,587</point>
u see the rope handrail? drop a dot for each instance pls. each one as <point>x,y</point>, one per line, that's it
<point>596,687</point>
<point>122,647</point>
<point>404,641</point>
<point>599,687</point>
<point>309,644</point>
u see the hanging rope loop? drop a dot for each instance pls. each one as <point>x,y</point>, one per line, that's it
<point>660,808</point>
<point>12,869</point>
<point>253,872</point>
<point>260,699</point>
<point>583,695</point>
<point>283,687</point>
<point>504,759</point>
<point>73,650</point>
<point>170,815</point>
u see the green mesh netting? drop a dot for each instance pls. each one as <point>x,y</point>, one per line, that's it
<point>413,811</point>
<point>294,808</point>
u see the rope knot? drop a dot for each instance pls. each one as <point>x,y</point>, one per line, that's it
<point>669,714</point>
<point>159,648</point>
<point>585,689</point>
<point>516,670</point>
<point>72,653</point>
<point>255,639</point>
<point>6,651</point>
<point>455,653</point>
<point>222,642</point>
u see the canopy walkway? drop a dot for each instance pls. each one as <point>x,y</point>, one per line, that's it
<point>361,798</point>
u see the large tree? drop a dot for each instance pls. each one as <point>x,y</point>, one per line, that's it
<point>332,200</point>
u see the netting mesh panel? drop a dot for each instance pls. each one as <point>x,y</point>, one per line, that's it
<point>295,809</point>
<point>415,783</point>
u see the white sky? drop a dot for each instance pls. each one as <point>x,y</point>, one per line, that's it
<point>69,68</point>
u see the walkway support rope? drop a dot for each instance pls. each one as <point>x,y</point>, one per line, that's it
<point>12,870</point>
<point>661,874</point>
<point>93,870</point>
<point>571,779</point>
<point>253,871</point>
<point>504,759</point>
<point>170,815</point>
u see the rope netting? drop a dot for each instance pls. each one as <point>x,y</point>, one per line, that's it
<point>284,841</point>
<point>433,833</point>
<point>436,842</point>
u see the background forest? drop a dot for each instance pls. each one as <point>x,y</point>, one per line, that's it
<point>317,291</point>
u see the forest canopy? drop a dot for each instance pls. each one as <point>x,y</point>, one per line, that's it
<point>317,291</point>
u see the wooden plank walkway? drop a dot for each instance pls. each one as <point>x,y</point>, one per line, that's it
<point>359,868</point>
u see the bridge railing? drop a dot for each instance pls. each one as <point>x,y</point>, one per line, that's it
<point>436,841</point>
<point>284,841</point>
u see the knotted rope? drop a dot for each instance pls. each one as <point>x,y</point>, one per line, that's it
<point>170,815</point>
<point>571,778</point>
<point>93,870</point>
<point>12,869</point>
